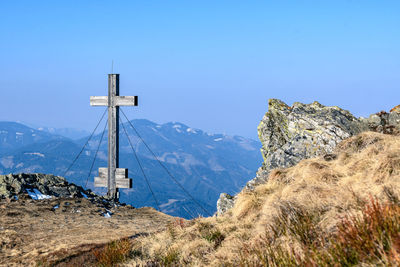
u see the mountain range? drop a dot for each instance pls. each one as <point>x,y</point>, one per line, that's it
<point>203,164</point>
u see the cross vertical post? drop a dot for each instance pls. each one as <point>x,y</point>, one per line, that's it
<point>113,134</point>
<point>113,177</point>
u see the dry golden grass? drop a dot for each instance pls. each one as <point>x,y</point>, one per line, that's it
<point>281,221</point>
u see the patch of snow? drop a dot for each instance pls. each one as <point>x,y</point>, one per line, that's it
<point>33,134</point>
<point>158,126</point>
<point>210,147</point>
<point>170,201</point>
<point>177,127</point>
<point>7,162</point>
<point>35,154</point>
<point>213,164</point>
<point>217,139</point>
<point>18,133</point>
<point>190,130</point>
<point>107,214</point>
<point>4,132</point>
<point>247,146</point>
<point>19,165</point>
<point>36,194</point>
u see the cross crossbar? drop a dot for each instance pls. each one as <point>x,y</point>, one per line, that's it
<point>121,178</point>
<point>118,101</point>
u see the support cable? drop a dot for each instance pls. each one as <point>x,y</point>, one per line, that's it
<point>73,162</point>
<point>95,155</point>
<point>165,168</point>
<point>141,167</point>
<point>188,212</point>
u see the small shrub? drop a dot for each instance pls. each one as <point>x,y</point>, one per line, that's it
<point>266,253</point>
<point>180,222</point>
<point>172,231</point>
<point>298,222</point>
<point>212,235</point>
<point>113,253</point>
<point>215,237</point>
<point>372,237</point>
<point>171,258</point>
<point>372,234</point>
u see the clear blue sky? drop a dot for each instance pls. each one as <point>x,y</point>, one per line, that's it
<point>209,64</point>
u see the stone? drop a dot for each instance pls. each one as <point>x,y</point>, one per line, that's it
<point>225,203</point>
<point>73,190</point>
<point>59,191</point>
<point>383,122</point>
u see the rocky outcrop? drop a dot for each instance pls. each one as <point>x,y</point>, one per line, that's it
<point>291,134</point>
<point>383,122</point>
<point>225,203</point>
<point>41,186</point>
<point>19,184</point>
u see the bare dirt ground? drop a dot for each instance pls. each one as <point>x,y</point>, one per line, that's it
<point>58,228</point>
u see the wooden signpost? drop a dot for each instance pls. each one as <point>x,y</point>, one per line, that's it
<point>113,177</point>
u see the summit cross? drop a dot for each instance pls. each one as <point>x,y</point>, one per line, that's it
<point>113,177</point>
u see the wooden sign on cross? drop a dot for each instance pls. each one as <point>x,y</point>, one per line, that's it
<point>113,177</point>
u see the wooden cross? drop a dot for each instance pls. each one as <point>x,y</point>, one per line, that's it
<point>113,177</point>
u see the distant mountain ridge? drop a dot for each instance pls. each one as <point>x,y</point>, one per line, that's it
<point>205,164</point>
<point>14,135</point>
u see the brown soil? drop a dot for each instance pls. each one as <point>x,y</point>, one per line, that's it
<point>31,230</point>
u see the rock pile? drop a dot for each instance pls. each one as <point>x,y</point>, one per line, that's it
<point>41,186</point>
<point>291,134</point>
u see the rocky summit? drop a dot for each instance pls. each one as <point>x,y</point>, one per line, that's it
<point>291,134</point>
<point>39,186</point>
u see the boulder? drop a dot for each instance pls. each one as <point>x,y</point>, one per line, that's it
<point>290,134</point>
<point>225,203</point>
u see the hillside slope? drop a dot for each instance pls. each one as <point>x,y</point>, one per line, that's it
<point>298,217</point>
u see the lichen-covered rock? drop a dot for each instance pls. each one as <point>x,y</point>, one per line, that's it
<point>224,203</point>
<point>18,184</point>
<point>291,134</point>
<point>383,122</point>
<point>22,186</point>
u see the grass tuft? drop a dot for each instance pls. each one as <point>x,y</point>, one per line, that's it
<point>113,253</point>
